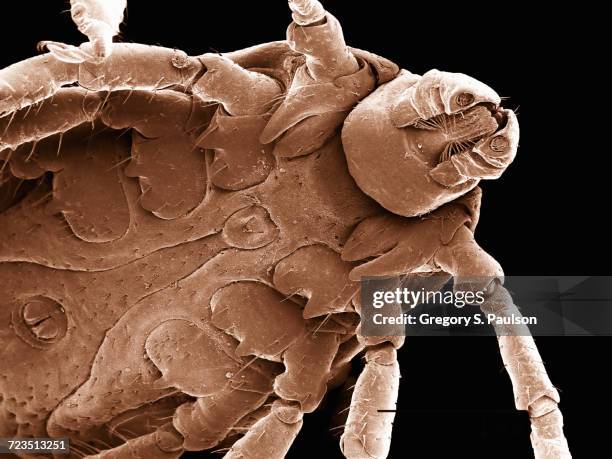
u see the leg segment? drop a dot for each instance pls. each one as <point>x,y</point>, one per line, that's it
<point>270,326</point>
<point>367,433</point>
<point>27,82</point>
<point>308,366</point>
<point>207,421</point>
<point>131,66</point>
<point>307,12</point>
<point>164,443</point>
<point>533,391</point>
<point>332,75</point>
<point>307,348</point>
<point>69,108</point>
<point>241,91</point>
<point>318,36</point>
<point>272,436</point>
<point>99,20</point>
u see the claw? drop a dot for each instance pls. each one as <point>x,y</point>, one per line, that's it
<point>97,19</point>
<point>68,53</point>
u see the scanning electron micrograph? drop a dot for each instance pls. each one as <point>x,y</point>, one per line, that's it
<point>182,238</point>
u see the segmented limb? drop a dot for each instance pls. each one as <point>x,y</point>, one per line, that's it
<point>151,114</point>
<point>271,436</point>
<point>329,291</point>
<point>27,82</point>
<point>164,443</point>
<point>307,370</point>
<point>131,66</point>
<point>207,421</point>
<point>240,91</point>
<point>318,36</point>
<point>533,390</point>
<point>332,76</point>
<point>134,67</point>
<point>473,268</point>
<point>97,19</point>
<point>69,108</point>
<point>244,309</point>
<point>367,433</point>
<point>308,350</point>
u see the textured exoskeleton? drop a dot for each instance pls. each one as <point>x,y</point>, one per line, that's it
<point>182,238</point>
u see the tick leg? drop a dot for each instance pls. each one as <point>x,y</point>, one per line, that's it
<point>271,326</point>
<point>68,53</point>
<point>390,245</point>
<point>170,348</point>
<point>164,443</point>
<point>307,370</point>
<point>207,421</point>
<point>367,433</point>
<point>131,66</point>
<point>69,108</point>
<point>97,19</point>
<point>533,390</point>
<point>240,91</point>
<point>27,82</point>
<point>472,267</point>
<point>318,35</point>
<point>226,387</point>
<point>271,436</point>
<point>323,90</point>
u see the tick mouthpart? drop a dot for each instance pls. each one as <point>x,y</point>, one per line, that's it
<point>466,128</point>
<point>472,123</point>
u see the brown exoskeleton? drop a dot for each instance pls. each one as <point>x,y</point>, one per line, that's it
<point>182,267</point>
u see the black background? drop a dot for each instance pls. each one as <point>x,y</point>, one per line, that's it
<point>547,215</point>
